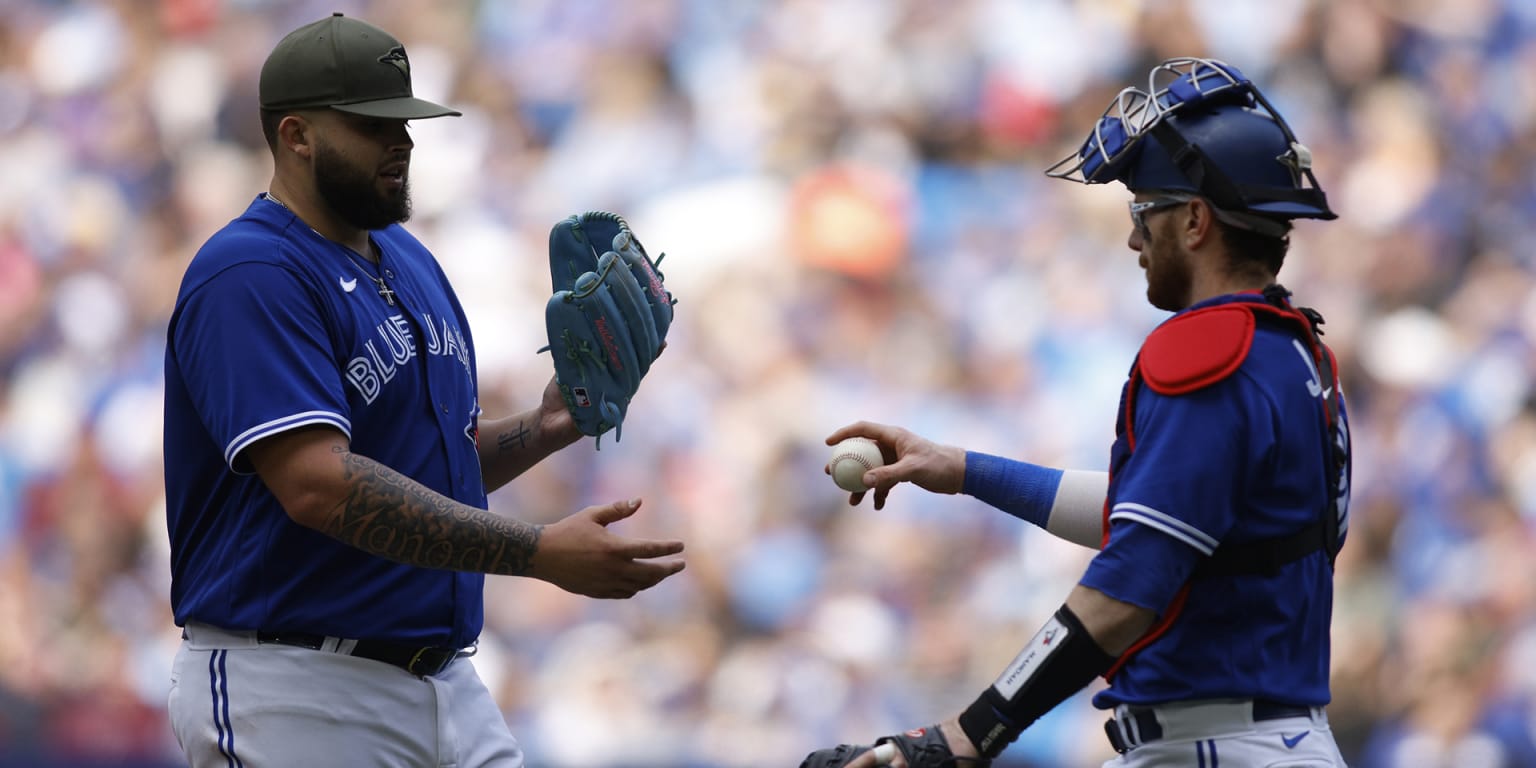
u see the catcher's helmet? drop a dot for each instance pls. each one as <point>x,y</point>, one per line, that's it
<point>1203,129</point>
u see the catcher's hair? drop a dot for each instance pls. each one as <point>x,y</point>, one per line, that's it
<point>1247,249</point>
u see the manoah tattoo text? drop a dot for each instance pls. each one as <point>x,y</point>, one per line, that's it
<point>393,516</point>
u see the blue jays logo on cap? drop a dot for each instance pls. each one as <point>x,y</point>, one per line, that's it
<point>396,57</point>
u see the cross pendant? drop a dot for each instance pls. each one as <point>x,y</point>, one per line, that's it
<point>384,290</point>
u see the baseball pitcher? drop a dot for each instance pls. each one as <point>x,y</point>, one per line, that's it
<point>326,461</point>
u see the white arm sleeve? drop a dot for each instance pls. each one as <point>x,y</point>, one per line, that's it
<point>1077,514</point>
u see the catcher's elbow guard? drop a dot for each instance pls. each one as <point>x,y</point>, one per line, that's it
<point>1059,661</point>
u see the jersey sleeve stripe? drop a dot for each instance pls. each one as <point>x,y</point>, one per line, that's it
<point>284,424</point>
<point>1166,523</point>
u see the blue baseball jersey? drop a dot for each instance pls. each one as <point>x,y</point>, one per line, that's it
<point>1241,459</point>
<point>277,328</point>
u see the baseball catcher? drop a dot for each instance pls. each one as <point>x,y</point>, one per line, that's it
<point>1207,606</point>
<point>607,320</point>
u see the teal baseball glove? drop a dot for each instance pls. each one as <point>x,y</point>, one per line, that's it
<point>607,320</point>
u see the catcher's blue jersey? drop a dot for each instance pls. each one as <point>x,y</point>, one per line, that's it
<point>1239,460</point>
<point>275,328</point>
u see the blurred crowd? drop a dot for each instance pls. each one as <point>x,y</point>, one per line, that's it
<point>851,199</point>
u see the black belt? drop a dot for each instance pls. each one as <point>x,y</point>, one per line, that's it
<point>1145,719</point>
<point>421,661</point>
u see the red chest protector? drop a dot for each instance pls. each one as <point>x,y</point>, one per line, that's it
<point>1197,349</point>
<point>1205,346</point>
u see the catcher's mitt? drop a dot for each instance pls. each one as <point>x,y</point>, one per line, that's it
<point>920,747</point>
<point>608,317</point>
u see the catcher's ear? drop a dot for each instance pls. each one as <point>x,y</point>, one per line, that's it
<point>1199,223</point>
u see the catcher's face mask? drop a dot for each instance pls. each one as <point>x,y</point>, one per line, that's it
<point>1202,128</point>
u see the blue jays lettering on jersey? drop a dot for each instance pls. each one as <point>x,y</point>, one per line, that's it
<point>328,350</point>
<point>1235,458</point>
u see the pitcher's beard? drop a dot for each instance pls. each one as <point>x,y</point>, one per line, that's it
<point>353,194</point>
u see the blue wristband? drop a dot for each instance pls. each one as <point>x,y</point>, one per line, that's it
<point>1026,491</point>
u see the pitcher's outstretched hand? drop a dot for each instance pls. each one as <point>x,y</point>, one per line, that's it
<point>579,554</point>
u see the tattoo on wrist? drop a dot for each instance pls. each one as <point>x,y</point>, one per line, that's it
<point>517,438</point>
<point>395,517</point>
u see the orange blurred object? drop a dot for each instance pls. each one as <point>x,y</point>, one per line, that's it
<point>849,219</point>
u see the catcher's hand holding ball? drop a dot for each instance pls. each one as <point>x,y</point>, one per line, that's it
<point>902,457</point>
<point>851,458</point>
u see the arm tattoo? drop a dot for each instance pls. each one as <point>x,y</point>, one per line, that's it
<point>392,516</point>
<point>510,439</point>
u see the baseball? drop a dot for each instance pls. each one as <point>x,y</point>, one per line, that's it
<point>851,458</point>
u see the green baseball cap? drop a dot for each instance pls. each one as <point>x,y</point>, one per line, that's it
<point>344,64</point>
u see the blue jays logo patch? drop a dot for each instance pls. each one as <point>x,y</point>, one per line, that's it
<point>396,57</point>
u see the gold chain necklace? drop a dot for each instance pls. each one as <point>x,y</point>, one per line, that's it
<point>378,280</point>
